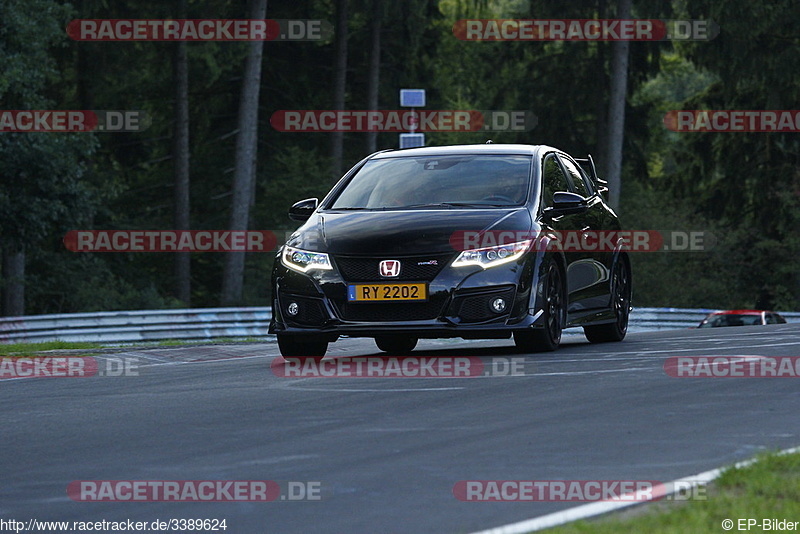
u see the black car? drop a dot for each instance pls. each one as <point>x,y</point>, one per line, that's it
<point>458,241</point>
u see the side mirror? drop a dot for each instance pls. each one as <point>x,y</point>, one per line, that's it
<point>566,203</point>
<point>301,211</point>
<point>590,168</point>
<point>602,186</point>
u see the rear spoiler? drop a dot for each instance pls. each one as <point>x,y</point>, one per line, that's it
<point>591,170</point>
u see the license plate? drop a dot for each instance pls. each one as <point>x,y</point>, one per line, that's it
<point>386,292</point>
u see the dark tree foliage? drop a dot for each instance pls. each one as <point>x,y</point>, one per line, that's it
<point>743,187</point>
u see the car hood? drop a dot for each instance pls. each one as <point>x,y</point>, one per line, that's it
<point>401,232</point>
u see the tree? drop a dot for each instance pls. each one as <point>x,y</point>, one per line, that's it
<point>373,86</point>
<point>339,84</point>
<point>748,181</point>
<point>180,154</point>
<point>246,153</point>
<point>616,108</point>
<point>41,172</point>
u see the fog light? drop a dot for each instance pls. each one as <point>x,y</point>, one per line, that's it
<point>293,309</point>
<point>499,305</point>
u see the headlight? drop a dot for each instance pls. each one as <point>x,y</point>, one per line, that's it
<point>303,260</point>
<point>492,256</point>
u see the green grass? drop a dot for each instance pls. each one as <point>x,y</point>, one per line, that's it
<point>768,489</point>
<point>24,349</point>
<point>21,350</point>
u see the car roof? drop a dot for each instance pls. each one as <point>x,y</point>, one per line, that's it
<point>492,148</point>
<point>741,312</point>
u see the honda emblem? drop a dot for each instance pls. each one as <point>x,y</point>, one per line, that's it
<point>390,268</point>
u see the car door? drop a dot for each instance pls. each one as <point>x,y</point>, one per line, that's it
<point>581,274</point>
<point>591,271</point>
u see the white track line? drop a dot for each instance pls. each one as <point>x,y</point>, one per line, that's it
<point>598,508</point>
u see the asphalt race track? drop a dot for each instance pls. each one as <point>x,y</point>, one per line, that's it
<point>387,452</point>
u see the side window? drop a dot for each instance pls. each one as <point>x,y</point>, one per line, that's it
<point>553,179</point>
<point>774,318</point>
<point>578,180</point>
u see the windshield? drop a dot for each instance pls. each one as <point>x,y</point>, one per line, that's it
<point>438,181</point>
<point>731,320</point>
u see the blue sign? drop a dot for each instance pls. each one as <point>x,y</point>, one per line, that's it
<point>412,98</point>
<point>412,140</point>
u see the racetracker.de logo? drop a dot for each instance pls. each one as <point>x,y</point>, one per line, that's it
<point>170,241</point>
<point>174,490</point>
<point>199,30</point>
<point>584,30</point>
<point>586,240</point>
<point>732,366</point>
<point>48,367</point>
<point>399,121</point>
<point>761,121</point>
<point>577,490</point>
<point>72,121</point>
<point>397,367</point>
<point>67,367</point>
<point>554,490</point>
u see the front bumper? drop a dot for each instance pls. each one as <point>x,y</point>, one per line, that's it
<point>458,302</point>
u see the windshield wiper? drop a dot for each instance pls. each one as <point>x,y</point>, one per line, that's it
<point>455,205</point>
<point>352,208</point>
<point>427,205</point>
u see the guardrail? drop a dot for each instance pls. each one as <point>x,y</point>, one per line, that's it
<point>132,326</point>
<point>643,319</point>
<point>216,323</point>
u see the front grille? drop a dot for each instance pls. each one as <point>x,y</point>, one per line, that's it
<point>311,311</point>
<point>359,269</point>
<point>477,308</point>
<point>391,311</point>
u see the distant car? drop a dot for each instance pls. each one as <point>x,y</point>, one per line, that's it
<point>741,318</point>
<point>376,258</point>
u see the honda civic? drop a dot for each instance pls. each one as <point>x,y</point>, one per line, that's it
<point>473,241</point>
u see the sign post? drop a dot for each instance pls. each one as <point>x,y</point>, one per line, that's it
<point>412,98</point>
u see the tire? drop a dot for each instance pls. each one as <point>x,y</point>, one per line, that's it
<point>548,338</point>
<point>396,344</point>
<point>302,348</point>
<point>621,303</point>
